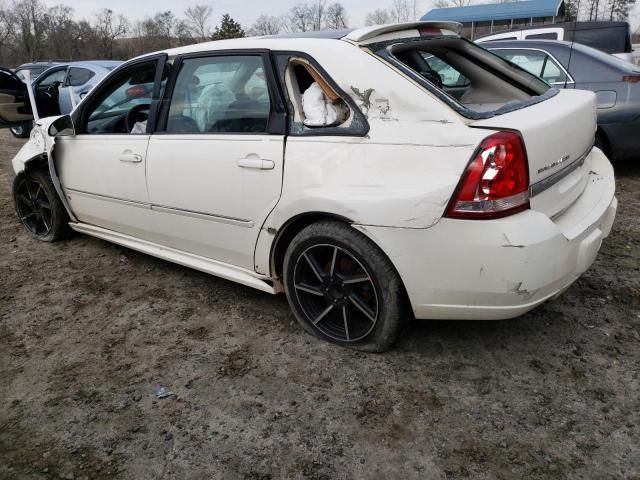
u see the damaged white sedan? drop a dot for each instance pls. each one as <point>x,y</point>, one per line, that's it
<point>336,167</point>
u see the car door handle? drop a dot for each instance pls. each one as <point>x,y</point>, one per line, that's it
<point>130,157</point>
<point>251,161</point>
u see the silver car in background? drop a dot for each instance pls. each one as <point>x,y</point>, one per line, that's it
<point>59,88</point>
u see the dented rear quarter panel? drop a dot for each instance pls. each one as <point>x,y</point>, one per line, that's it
<point>401,174</point>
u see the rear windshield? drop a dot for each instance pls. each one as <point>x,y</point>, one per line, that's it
<point>474,81</point>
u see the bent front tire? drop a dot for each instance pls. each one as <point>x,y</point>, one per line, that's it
<point>342,288</point>
<point>38,206</point>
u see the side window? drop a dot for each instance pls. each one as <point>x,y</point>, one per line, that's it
<point>529,60</point>
<point>52,78</point>
<point>78,76</point>
<point>552,72</point>
<point>535,62</point>
<point>315,102</point>
<point>120,104</point>
<point>220,94</point>
<point>449,76</point>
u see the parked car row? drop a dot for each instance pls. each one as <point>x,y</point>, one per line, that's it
<point>469,196</point>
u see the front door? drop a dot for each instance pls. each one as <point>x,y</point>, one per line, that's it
<point>215,172</point>
<point>102,167</point>
<point>15,109</point>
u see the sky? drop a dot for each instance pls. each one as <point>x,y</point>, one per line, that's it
<point>244,11</point>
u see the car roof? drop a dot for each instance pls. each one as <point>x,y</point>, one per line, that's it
<point>302,39</point>
<point>36,64</point>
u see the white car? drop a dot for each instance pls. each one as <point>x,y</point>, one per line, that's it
<point>412,198</point>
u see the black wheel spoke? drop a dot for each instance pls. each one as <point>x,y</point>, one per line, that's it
<point>46,225</point>
<point>351,279</point>
<point>319,318</point>
<point>309,289</point>
<point>362,306</point>
<point>346,322</point>
<point>314,266</point>
<point>44,204</point>
<point>333,261</point>
<point>23,198</point>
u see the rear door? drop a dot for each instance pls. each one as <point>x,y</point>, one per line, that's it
<point>15,108</point>
<point>215,172</point>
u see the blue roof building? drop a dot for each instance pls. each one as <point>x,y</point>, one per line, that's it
<point>500,15</point>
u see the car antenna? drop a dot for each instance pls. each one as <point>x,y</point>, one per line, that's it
<point>573,39</point>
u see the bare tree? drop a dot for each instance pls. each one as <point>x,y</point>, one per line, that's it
<point>60,31</point>
<point>335,17</point>
<point>378,17</point>
<point>29,24</point>
<point>404,11</point>
<point>266,25</point>
<point>165,23</point>
<point>198,18</point>
<point>6,28</point>
<point>317,11</point>
<point>109,27</point>
<point>298,19</point>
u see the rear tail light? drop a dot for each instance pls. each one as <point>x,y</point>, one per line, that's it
<point>631,78</point>
<point>496,181</point>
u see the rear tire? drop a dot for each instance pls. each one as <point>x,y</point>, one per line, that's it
<point>343,289</point>
<point>38,206</point>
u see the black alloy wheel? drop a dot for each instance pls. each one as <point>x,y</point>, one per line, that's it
<point>38,206</point>
<point>342,288</point>
<point>336,293</point>
<point>34,206</point>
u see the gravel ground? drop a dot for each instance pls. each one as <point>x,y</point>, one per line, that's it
<point>89,329</point>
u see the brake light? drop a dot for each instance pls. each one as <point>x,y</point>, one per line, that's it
<point>631,78</point>
<point>496,181</point>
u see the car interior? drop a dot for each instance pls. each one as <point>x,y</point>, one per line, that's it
<point>470,76</point>
<point>220,95</point>
<point>126,104</point>
<point>46,93</point>
<point>300,75</point>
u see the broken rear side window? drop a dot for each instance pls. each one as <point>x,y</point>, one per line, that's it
<point>316,105</point>
<point>475,82</point>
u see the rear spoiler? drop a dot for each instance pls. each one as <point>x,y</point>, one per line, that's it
<point>367,33</point>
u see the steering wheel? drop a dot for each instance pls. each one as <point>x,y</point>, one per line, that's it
<point>52,90</point>
<point>136,115</point>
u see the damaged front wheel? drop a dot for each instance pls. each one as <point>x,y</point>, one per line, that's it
<point>38,206</point>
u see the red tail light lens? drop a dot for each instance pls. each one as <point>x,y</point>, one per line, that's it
<point>496,181</point>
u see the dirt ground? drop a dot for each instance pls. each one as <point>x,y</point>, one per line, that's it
<point>88,330</point>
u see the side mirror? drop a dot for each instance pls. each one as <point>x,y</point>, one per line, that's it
<point>62,127</point>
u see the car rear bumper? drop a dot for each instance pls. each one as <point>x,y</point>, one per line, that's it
<point>499,269</point>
